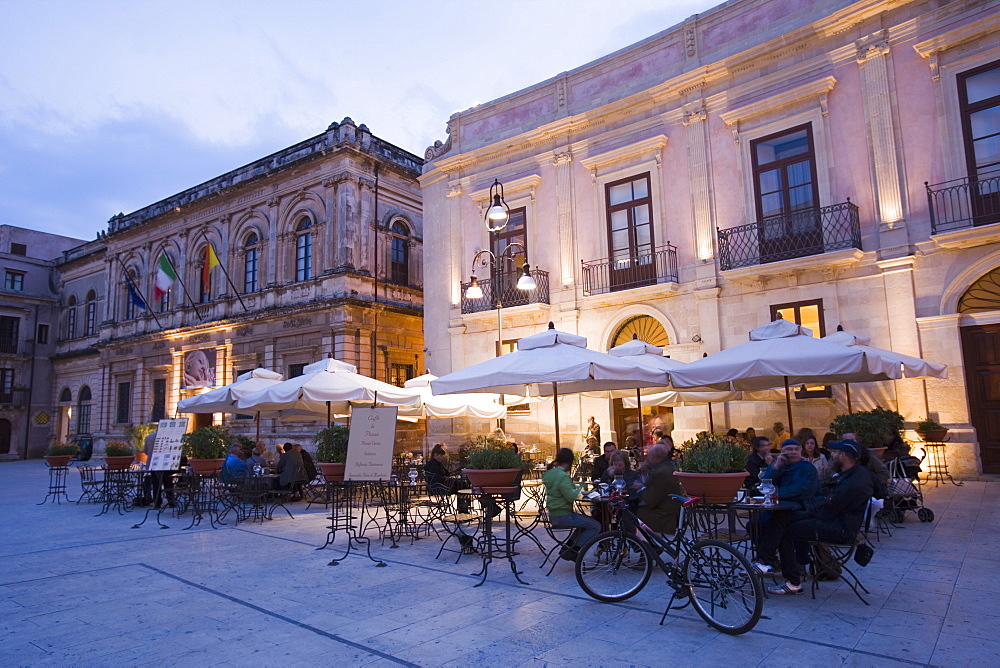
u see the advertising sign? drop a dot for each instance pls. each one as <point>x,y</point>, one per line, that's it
<point>199,369</point>
<point>370,445</point>
<point>166,455</point>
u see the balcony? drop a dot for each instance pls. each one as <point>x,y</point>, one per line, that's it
<point>8,346</point>
<point>17,396</point>
<point>508,293</point>
<point>626,273</point>
<point>963,203</point>
<point>800,234</point>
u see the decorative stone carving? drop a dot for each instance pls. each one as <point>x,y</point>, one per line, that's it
<point>245,330</point>
<point>293,323</point>
<point>694,115</point>
<point>199,338</point>
<point>438,149</point>
<point>561,157</point>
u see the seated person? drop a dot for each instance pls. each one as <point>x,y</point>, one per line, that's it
<point>307,463</point>
<point>560,495</point>
<point>758,460</point>
<point>874,464</point>
<point>837,519</point>
<point>234,467</point>
<point>436,474</point>
<point>894,447</point>
<point>256,458</point>
<point>291,469</point>
<point>795,478</point>
<point>658,510</point>
<point>620,465</point>
<point>601,463</point>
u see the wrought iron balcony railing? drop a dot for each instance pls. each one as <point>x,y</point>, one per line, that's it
<point>508,293</point>
<point>630,271</point>
<point>803,233</point>
<point>961,203</point>
<point>8,346</point>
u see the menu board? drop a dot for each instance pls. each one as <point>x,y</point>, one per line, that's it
<point>370,445</point>
<point>166,455</point>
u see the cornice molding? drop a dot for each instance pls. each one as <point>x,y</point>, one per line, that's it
<point>634,151</point>
<point>818,89</point>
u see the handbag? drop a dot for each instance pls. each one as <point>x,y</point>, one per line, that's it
<point>902,487</point>
<point>863,554</point>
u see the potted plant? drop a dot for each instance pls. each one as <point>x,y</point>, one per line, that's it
<point>59,453</point>
<point>931,431</point>
<point>137,434</point>
<point>870,427</point>
<point>492,464</point>
<point>713,466</point>
<point>331,451</point>
<point>118,455</point>
<point>205,449</point>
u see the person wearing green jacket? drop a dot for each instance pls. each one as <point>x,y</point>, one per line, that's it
<point>560,495</point>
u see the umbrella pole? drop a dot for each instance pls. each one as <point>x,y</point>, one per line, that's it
<point>555,404</point>
<point>638,419</point>
<point>258,426</point>
<point>788,406</point>
<point>711,422</point>
<point>329,420</point>
<point>847,386</point>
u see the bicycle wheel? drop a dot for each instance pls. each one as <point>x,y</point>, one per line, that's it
<point>613,566</point>
<point>723,587</point>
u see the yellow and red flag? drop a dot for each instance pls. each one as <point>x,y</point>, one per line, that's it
<point>211,261</point>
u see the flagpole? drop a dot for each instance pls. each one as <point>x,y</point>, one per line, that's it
<point>138,291</point>
<point>183,287</point>
<point>226,274</point>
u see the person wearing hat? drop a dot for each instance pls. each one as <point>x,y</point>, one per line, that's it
<point>560,495</point>
<point>796,479</point>
<point>838,516</point>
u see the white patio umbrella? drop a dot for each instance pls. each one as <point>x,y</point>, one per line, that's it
<point>451,405</point>
<point>782,353</point>
<point>548,364</point>
<point>223,399</point>
<point>328,386</point>
<point>702,398</point>
<point>912,367</point>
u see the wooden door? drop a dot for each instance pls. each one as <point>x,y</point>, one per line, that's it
<point>981,350</point>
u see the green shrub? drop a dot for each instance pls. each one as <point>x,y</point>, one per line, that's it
<point>494,458</point>
<point>59,448</point>
<point>871,427</point>
<point>118,449</point>
<point>207,443</point>
<point>928,424</point>
<point>710,452</point>
<point>137,434</point>
<point>331,444</point>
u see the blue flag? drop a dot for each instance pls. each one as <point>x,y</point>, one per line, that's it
<point>135,298</point>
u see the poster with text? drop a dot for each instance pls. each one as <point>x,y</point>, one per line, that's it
<point>166,455</point>
<point>370,445</point>
<point>199,369</point>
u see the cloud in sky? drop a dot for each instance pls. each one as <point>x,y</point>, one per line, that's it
<point>110,105</point>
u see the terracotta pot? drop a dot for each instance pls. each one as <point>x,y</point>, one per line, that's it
<point>141,457</point>
<point>206,466</point>
<point>58,460</point>
<point>332,471</point>
<point>491,477</point>
<point>933,435</point>
<point>118,463</point>
<point>712,487</point>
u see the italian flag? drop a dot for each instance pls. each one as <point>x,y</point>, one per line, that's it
<point>165,277</point>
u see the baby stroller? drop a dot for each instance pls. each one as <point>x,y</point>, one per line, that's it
<point>904,494</point>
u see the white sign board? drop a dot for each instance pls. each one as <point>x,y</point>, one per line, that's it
<point>166,455</point>
<point>370,445</point>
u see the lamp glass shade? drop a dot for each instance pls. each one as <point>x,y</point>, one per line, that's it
<point>526,282</point>
<point>474,291</point>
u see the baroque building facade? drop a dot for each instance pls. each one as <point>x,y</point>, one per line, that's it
<point>320,254</point>
<point>834,163</point>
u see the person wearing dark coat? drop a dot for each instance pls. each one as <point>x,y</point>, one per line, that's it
<point>757,461</point>
<point>307,462</point>
<point>601,463</point>
<point>658,510</point>
<point>291,469</point>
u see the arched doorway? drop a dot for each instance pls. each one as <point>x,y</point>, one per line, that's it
<point>627,422</point>
<point>981,355</point>
<point>5,429</point>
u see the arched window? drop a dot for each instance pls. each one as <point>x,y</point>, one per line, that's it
<point>130,293</point>
<point>83,421</point>
<point>399,261</point>
<point>645,328</point>
<point>71,317</point>
<point>90,324</point>
<point>303,250</point>
<point>66,396</point>
<point>251,263</point>
<point>983,295</point>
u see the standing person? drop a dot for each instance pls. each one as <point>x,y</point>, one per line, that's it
<point>593,429</point>
<point>560,495</point>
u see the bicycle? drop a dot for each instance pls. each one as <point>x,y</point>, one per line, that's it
<point>711,575</point>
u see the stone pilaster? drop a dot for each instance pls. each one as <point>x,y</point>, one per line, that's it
<point>872,53</point>
<point>563,161</point>
<point>700,179</point>
<point>453,238</point>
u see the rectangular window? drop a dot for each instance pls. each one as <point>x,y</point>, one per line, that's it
<point>6,386</point>
<point>509,346</point>
<point>90,326</point>
<point>124,403</point>
<point>250,271</point>
<point>43,334</point>
<point>511,259</point>
<point>18,249</point>
<point>808,314</point>
<point>399,262</point>
<point>83,422</point>
<point>71,323</point>
<point>303,257</point>
<point>295,370</point>
<point>630,232</point>
<point>979,95</point>
<point>165,301</point>
<point>241,416</point>
<point>159,409</point>
<point>14,280</point>
<point>9,330</point>
<point>400,373</point>
<point>784,169</point>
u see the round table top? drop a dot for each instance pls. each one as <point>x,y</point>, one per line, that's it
<point>781,505</point>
